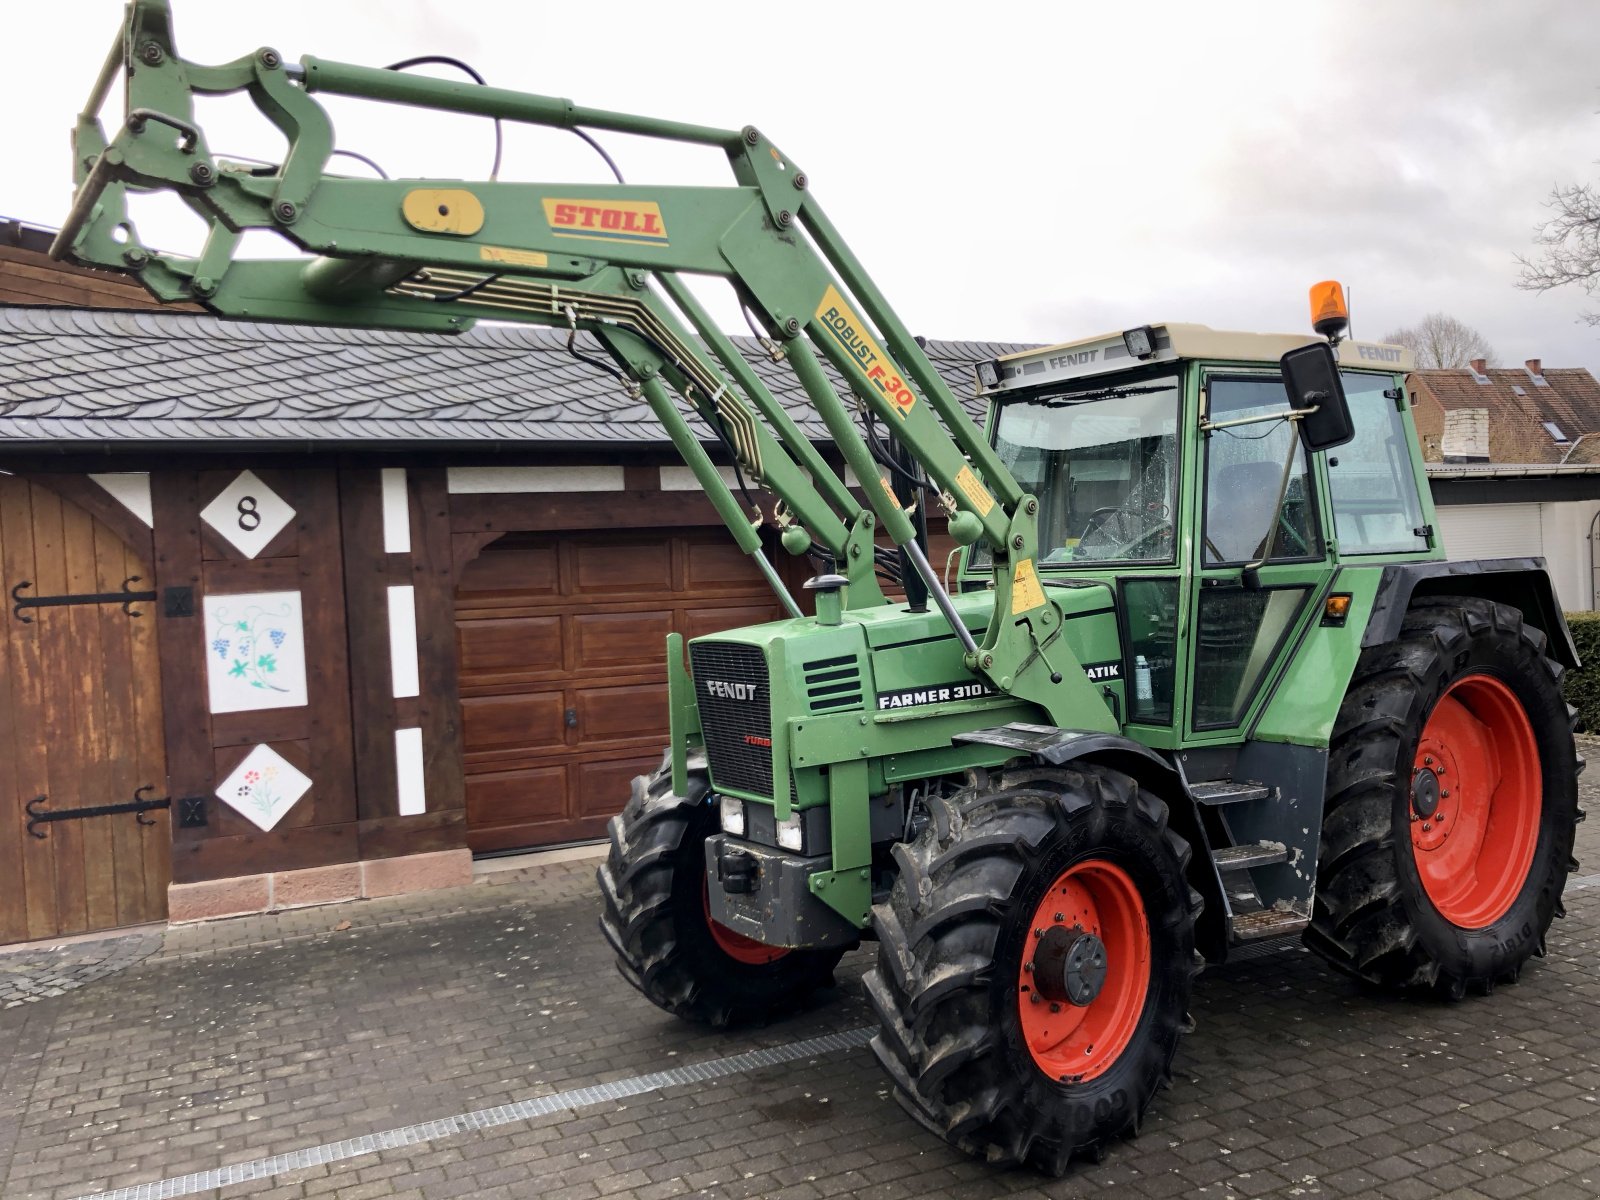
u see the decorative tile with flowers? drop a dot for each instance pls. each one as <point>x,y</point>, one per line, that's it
<point>263,787</point>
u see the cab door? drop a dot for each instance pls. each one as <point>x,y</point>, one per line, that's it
<point>1257,506</point>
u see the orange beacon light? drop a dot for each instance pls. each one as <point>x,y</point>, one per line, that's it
<point>1329,313</point>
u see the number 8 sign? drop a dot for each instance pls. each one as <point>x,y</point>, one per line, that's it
<point>248,514</point>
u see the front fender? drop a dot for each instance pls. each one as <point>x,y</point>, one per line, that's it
<point>1060,747</point>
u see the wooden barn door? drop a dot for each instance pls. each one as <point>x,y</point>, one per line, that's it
<point>80,725</point>
<point>562,643</point>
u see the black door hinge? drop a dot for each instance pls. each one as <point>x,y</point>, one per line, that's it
<point>138,805</point>
<point>126,597</point>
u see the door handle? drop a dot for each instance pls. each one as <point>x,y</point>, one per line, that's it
<point>571,719</point>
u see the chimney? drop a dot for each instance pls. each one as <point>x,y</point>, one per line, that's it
<point>1480,367</point>
<point>1466,435</point>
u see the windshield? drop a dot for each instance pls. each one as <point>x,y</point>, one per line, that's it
<point>1103,463</point>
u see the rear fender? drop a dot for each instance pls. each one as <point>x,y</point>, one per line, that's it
<point>1521,583</point>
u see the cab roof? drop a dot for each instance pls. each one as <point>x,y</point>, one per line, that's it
<point>1171,341</point>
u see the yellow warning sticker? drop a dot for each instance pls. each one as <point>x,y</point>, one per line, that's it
<point>516,258</point>
<point>1026,594</point>
<point>972,488</point>
<point>850,331</point>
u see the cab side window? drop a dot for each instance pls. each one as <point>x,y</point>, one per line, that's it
<point>1375,504</point>
<point>1245,475</point>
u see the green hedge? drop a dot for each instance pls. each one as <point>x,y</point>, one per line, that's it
<point>1583,685</point>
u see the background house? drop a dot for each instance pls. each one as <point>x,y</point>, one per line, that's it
<point>1514,464</point>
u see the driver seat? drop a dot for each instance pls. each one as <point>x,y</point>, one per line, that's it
<point>1239,503</point>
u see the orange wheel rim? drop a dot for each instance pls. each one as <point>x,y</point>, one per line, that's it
<point>735,945</point>
<point>1476,797</point>
<point>1085,971</point>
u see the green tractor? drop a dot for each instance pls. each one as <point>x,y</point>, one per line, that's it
<point>1305,720</point>
<point>1204,675</point>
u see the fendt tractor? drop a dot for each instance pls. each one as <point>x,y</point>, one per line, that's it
<point>1203,675</point>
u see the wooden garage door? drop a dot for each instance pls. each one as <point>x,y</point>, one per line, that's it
<point>563,683</point>
<point>80,725</point>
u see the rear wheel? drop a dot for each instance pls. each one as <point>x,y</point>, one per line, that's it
<point>657,916</point>
<point>1452,804</point>
<point>1035,963</point>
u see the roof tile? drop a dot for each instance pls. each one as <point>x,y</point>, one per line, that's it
<point>164,376</point>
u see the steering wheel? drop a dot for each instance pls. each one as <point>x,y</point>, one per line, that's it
<point>1101,519</point>
<point>1102,514</point>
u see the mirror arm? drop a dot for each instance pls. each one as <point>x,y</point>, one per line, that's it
<point>1288,414</point>
<point>1249,575</point>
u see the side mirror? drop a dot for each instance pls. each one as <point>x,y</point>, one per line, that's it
<point>1311,377</point>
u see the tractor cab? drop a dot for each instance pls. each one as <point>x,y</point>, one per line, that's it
<point>1172,464</point>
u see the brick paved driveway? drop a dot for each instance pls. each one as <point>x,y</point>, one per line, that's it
<point>267,1036</point>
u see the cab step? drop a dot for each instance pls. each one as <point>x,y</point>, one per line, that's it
<point>1256,854</point>
<point>1266,923</point>
<point>1228,791</point>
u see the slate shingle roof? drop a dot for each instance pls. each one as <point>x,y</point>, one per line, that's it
<point>98,375</point>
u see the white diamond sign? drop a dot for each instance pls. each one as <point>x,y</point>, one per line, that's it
<point>263,787</point>
<point>248,514</point>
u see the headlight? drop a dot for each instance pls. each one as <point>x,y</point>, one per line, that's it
<point>733,816</point>
<point>791,834</point>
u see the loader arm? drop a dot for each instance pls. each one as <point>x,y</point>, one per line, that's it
<point>607,259</point>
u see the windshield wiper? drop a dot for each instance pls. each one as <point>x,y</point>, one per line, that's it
<point>1067,401</point>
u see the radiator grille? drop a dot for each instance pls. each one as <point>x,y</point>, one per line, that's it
<point>731,689</point>
<point>833,683</point>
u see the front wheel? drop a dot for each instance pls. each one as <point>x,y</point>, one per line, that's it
<point>1452,804</point>
<point>1034,965</point>
<point>657,916</point>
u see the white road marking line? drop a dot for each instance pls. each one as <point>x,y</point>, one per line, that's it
<point>487,1118</point>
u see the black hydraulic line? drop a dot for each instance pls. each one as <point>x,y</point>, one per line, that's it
<point>601,151</point>
<point>477,287</point>
<point>915,589</point>
<point>444,60</point>
<point>598,364</point>
<point>708,413</point>
<point>884,457</point>
<point>362,158</point>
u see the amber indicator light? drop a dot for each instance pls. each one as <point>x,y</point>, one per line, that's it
<point>1336,608</point>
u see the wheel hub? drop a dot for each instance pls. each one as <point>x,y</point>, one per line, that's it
<point>1425,792</point>
<point>1069,965</point>
<point>1433,776</point>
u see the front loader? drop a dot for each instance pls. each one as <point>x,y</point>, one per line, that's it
<point>1203,675</point>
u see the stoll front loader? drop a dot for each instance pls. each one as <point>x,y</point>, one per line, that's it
<point>1206,677</point>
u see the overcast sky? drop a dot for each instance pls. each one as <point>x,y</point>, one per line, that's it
<point>1009,171</point>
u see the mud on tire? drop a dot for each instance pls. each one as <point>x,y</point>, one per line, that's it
<point>952,941</point>
<point>1374,917</point>
<point>653,886</point>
